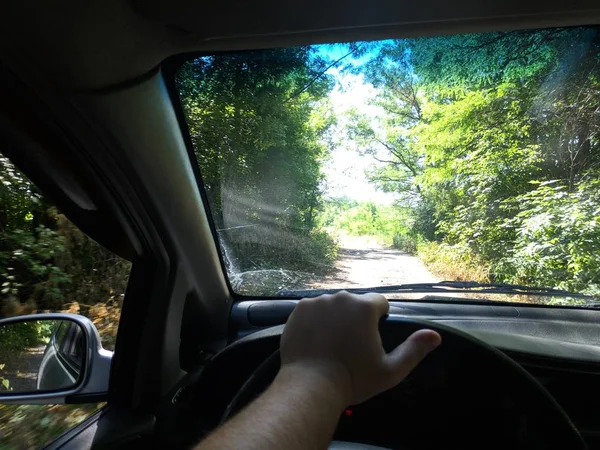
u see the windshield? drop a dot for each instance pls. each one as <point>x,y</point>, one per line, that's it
<point>466,157</point>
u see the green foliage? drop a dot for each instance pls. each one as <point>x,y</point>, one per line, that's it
<point>18,336</point>
<point>259,122</point>
<point>29,243</point>
<point>313,251</point>
<point>47,264</point>
<point>392,133</point>
<point>453,262</point>
<point>407,241</point>
<point>492,141</point>
<point>33,260</point>
<point>45,261</point>
<point>558,240</point>
<point>391,225</point>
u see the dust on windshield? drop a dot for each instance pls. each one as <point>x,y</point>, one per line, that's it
<point>466,157</point>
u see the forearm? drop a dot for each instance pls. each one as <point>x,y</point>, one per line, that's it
<point>300,410</point>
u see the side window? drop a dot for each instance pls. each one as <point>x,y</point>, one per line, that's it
<point>48,265</point>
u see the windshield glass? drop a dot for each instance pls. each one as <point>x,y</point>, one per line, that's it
<point>466,157</point>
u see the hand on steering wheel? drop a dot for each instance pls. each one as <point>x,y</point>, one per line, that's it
<point>337,336</point>
<point>341,342</point>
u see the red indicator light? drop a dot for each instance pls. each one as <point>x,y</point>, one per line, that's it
<point>348,412</point>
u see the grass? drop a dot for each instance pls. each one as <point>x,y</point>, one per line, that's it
<point>458,264</point>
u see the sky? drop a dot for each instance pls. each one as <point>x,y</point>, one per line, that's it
<point>345,170</point>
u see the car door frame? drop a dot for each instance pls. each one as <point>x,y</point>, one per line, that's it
<point>89,166</point>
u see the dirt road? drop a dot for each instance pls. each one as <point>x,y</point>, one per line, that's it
<point>362,262</point>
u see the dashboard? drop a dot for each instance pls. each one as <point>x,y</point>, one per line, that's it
<point>567,333</point>
<point>436,405</point>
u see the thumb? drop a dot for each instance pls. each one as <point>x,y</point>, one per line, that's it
<point>404,358</point>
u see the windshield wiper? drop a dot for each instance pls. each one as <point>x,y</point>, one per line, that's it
<point>445,287</point>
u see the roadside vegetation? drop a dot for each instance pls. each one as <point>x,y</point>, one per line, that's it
<point>47,265</point>
<point>492,143</point>
<point>259,124</point>
<point>388,224</point>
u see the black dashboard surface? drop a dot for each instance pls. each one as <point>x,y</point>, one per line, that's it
<point>548,332</point>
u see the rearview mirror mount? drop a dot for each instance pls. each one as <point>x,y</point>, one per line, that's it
<point>52,358</point>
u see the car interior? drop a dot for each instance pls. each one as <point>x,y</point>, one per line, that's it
<point>91,113</point>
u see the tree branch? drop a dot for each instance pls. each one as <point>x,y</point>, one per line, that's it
<point>386,161</point>
<point>398,155</point>
<point>320,74</point>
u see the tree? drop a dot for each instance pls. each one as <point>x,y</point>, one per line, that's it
<point>473,124</point>
<point>389,138</point>
<point>257,121</point>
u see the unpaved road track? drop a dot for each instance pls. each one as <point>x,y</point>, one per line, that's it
<point>364,263</point>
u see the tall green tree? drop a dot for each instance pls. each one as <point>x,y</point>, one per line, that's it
<point>389,138</point>
<point>258,122</point>
<point>475,124</point>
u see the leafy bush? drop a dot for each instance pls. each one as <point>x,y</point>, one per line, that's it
<point>453,262</point>
<point>277,249</point>
<point>322,248</point>
<point>386,223</point>
<point>29,257</point>
<point>558,237</point>
<point>46,261</point>
<point>16,337</point>
<point>408,242</point>
<point>547,237</point>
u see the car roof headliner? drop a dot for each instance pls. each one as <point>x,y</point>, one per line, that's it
<point>96,44</point>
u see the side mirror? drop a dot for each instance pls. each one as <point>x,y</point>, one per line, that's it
<point>52,358</point>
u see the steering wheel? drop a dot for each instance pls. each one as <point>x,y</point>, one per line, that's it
<point>541,421</point>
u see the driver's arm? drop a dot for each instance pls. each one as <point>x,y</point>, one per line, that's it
<point>331,357</point>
